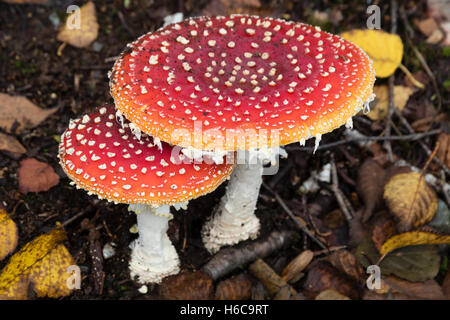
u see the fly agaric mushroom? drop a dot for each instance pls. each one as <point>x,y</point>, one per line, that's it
<point>106,159</point>
<point>242,82</point>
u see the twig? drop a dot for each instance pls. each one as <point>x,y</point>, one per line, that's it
<point>75,217</point>
<point>414,81</point>
<point>344,204</point>
<point>329,250</point>
<point>125,25</point>
<point>390,112</point>
<point>422,144</point>
<point>405,21</point>
<point>422,60</point>
<point>412,137</point>
<point>281,174</point>
<point>293,217</point>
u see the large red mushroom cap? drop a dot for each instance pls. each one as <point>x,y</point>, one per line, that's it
<point>240,75</point>
<point>106,159</point>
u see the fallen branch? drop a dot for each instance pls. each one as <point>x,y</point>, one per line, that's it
<point>408,137</point>
<point>296,221</point>
<point>342,200</point>
<point>391,106</point>
<point>229,259</point>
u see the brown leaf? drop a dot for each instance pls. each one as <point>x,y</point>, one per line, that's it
<point>443,152</point>
<point>36,176</point>
<point>323,276</point>
<point>410,199</point>
<point>370,186</point>
<point>10,144</point>
<point>331,295</point>
<point>446,285</point>
<point>283,294</point>
<point>8,234</point>
<point>87,31</point>
<point>297,265</point>
<point>235,288</point>
<point>21,113</point>
<point>187,286</point>
<point>346,262</point>
<point>383,227</point>
<point>400,289</point>
<point>427,26</point>
<point>269,278</point>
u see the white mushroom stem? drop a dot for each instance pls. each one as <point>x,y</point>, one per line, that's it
<point>234,220</point>
<point>153,257</point>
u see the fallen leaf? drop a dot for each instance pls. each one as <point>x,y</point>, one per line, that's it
<point>346,262</point>
<point>427,26</point>
<point>385,49</point>
<point>370,184</point>
<point>415,263</point>
<point>379,107</point>
<point>83,35</point>
<point>400,289</point>
<point>8,234</point>
<point>410,199</point>
<point>446,285</point>
<point>383,227</point>
<point>412,238</point>
<point>36,176</point>
<point>431,29</point>
<point>187,286</point>
<point>268,277</point>
<point>296,266</point>
<point>10,144</point>
<point>443,152</point>
<point>331,295</point>
<point>42,265</point>
<point>283,294</point>
<point>20,113</point>
<point>235,288</point>
<point>440,10</point>
<point>323,276</point>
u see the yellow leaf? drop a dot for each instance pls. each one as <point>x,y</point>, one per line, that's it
<point>413,238</point>
<point>41,264</point>
<point>410,199</point>
<point>8,234</point>
<point>385,49</point>
<point>381,102</point>
<point>81,27</point>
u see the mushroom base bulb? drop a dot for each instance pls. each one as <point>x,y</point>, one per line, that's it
<point>234,219</point>
<point>153,257</point>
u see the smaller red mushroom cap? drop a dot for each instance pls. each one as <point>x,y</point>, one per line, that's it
<point>107,159</point>
<point>240,77</point>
